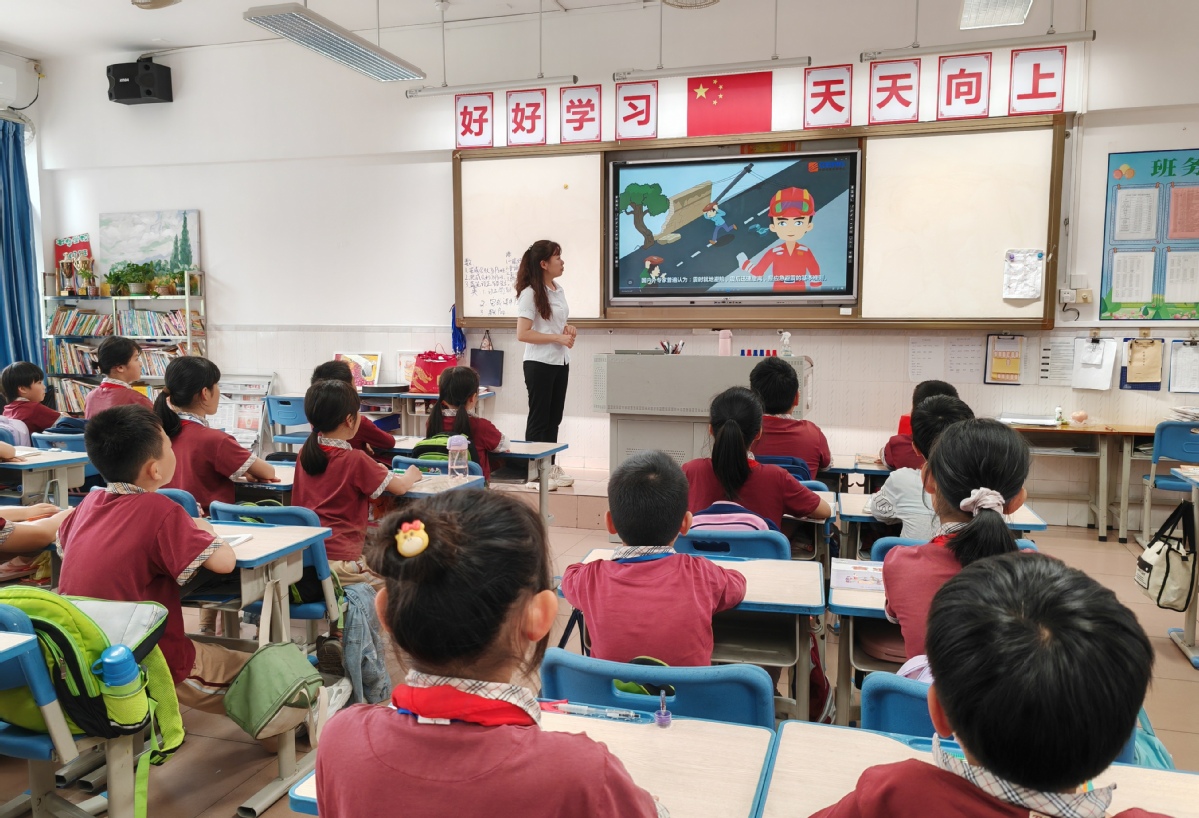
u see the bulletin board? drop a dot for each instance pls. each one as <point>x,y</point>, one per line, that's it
<point>1151,237</point>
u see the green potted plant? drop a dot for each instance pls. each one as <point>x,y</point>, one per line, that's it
<point>88,276</point>
<point>118,278</point>
<point>164,285</point>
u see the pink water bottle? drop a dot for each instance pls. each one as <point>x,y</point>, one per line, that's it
<point>726,343</point>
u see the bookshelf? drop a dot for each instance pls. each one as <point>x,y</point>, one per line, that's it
<point>165,326</point>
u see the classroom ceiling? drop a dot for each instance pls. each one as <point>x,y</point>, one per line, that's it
<point>60,28</point>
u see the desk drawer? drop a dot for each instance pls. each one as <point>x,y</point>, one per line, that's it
<point>754,637</point>
<point>253,580</point>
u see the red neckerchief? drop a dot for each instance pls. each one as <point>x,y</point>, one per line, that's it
<point>754,464</point>
<point>444,702</point>
<point>330,449</point>
<point>112,386</point>
<point>941,540</point>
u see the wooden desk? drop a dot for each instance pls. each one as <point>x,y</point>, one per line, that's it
<point>253,490</point>
<point>843,465</point>
<point>438,483</point>
<point>539,453</point>
<point>695,768</point>
<point>797,785</point>
<point>45,472</point>
<point>407,404</point>
<point>13,645</point>
<point>1184,637</point>
<point>791,589</point>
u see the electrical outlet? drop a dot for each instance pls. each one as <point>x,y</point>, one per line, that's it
<point>1086,296</point>
<point>1066,296</point>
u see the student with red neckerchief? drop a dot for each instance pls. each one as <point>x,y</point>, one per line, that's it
<point>468,598</point>
<point>121,362</point>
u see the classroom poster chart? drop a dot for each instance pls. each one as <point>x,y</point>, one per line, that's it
<point>957,359</point>
<point>1151,237</point>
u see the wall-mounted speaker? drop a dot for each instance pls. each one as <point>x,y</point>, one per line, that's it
<point>135,83</point>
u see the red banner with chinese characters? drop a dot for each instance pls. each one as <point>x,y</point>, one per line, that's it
<point>735,103</point>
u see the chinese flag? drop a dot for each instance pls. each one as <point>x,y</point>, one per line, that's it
<point>735,103</point>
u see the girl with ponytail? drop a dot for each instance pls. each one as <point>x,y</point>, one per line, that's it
<point>454,414</point>
<point>975,475</point>
<point>732,475</point>
<point>468,599</point>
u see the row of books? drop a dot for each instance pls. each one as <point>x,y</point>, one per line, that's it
<point>70,321</point>
<point>151,323</point>
<point>155,359</point>
<point>71,395</point>
<point>69,358</point>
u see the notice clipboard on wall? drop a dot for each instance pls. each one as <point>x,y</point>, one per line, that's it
<point>1004,360</point>
<point>1184,366</point>
<point>1141,364</point>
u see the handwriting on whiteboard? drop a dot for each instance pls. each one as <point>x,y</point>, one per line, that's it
<point>490,288</point>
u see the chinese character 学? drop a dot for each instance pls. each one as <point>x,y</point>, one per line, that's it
<point>1163,167</point>
<point>580,112</point>
<point>964,85</point>
<point>825,93</point>
<point>893,91</point>
<point>525,116</point>
<point>473,120</point>
<point>639,109</point>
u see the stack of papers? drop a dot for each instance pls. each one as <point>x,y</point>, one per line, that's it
<point>234,542</point>
<point>1028,420</point>
<point>1187,413</point>
<point>857,576</point>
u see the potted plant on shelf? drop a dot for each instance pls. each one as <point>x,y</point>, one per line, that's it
<point>88,276</point>
<point>129,278</point>
<point>164,285</point>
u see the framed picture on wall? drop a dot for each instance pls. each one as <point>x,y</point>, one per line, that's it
<point>363,365</point>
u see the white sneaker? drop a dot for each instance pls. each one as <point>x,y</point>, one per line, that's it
<point>330,699</point>
<point>535,485</point>
<point>559,477</point>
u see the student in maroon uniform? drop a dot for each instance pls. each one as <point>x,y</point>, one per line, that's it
<point>24,386</point>
<point>735,421</point>
<point>130,543</point>
<point>899,452</point>
<point>369,438</point>
<point>469,600</point>
<point>458,393</point>
<point>975,475</point>
<point>120,361</point>
<point>209,460</point>
<point>775,382</point>
<point>1039,673</point>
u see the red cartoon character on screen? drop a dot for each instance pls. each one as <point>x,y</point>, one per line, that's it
<point>792,265</point>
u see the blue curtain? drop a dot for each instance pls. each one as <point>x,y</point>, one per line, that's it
<point>20,327</point>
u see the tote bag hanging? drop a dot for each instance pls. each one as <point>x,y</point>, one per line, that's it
<point>1166,569</point>
<point>428,368</point>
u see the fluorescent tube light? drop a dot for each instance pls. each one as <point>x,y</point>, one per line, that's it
<point>1011,42</point>
<point>992,13</point>
<point>482,87</point>
<point>294,22</point>
<point>711,70</point>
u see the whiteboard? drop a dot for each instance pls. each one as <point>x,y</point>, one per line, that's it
<point>939,213</point>
<point>509,203</point>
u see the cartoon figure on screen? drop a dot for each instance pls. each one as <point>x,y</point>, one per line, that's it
<point>653,271</point>
<point>713,212</point>
<point>792,265</point>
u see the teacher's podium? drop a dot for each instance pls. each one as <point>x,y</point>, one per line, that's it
<point>662,401</point>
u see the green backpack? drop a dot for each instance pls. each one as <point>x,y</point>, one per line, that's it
<point>437,447</point>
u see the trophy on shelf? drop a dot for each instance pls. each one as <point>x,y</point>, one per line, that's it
<point>67,284</point>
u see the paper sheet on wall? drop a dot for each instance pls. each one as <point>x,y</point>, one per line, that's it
<point>1132,278</point>
<point>1136,214</point>
<point>1057,361</point>
<point>1184,367</point>
<point>1143,357</point>
<point>926,359</point>
<point>1184,213</point>
<point>964,359</point>
<point>1182,277</point>
<point>1023,271</point>
<point>1094,362</point>
<point>1004,358</point>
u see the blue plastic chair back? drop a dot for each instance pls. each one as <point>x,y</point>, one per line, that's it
<point>28,669</point>
<point>796,467</point>
<point>66,443</point>
<point>1026,545</point>
<point>1176,440</point>
<point>313,554</point>
<point>762,545</point>
<point>741,694</point>
<point>813,485</point>
<point>894,704</point>
<point>6,437</point>
<point>434,466</point>
<point>285,411</point>
<point>183,498</point>
<point>884,544</point>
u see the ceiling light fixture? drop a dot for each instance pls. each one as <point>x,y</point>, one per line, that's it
<point>993,13</point>
<point>295,22</point>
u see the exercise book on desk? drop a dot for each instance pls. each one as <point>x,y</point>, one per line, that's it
<point>857,576</point>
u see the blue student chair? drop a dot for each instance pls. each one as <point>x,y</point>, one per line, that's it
<point>434,466</point>
<point>282,412</point>
<point>49,751</point>
<point>796,467</point>
<point>1173,440</point>
<point>6,437</point>
<point>761,545</point>
<point>314,555</point>
<point>740,694</point>
<point>183,498</point>
<point>67,443</point>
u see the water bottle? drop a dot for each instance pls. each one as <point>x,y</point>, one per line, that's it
<point>118,671</point>
<point>457,447</point>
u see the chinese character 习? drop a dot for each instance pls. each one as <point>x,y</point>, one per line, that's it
<point>580,112</point>
<point>473,120</point>
<point>893,90</point>
<point>964,85</point>
<point>639,109</point>
<point>827,95</point>
<point>525,116</point>
<point>1163,167</point>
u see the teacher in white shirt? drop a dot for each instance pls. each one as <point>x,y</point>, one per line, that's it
<point>541,315</point>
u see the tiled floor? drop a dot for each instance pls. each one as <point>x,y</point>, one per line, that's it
<point>219,766</point>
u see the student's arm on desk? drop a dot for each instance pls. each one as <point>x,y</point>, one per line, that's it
<point>7,451</point>
<point>402,483</point>
<point>222,560</point>
<point>261,471</point>
<point>27,537</point>
<point>727,587</point>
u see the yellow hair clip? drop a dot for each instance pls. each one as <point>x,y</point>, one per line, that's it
<point>412,539</point>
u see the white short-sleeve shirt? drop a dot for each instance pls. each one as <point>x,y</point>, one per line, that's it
<point>902,499</point>
<point>554,325</point>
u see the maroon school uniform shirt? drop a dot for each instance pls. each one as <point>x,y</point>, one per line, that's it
<point>769,492</point>
<point>788,437</point>
<point>206,461</point>
<point>483,435</point>
<point>899,453</point>
<point>912,576</point>
<point>340,497</point>
<point>369,434</point>
<point>917,789</point>
<point>659,607</point>
<point>133,548</point>
<point>37,417</point>
<point>112,393</point>
<point>375,761</point>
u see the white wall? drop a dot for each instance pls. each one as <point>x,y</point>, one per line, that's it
<point>326,212</point>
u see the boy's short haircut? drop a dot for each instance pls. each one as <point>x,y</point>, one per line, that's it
<point>21,374</point>
<point>647,495</point>
<point>115,351</point>
<point>1039,669</point>
<point>120,440</point>
<point>926,389</point>
<point>333,371</point>
<point>934,415</point>
<point>776,383</point>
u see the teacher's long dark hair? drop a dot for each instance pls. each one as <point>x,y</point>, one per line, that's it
<point>531,275</point>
